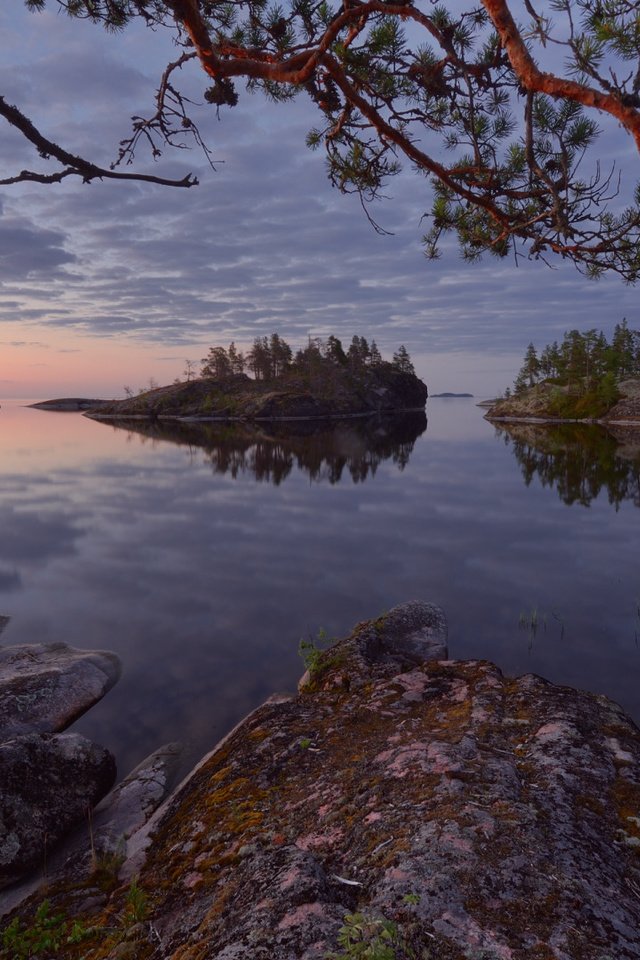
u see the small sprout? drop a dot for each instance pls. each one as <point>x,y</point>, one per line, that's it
<point>411,898</point>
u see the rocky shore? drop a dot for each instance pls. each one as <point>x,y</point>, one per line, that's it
<point>69,404</point>
<point>334,392</point>
<point>429,807</point>
<point>538,402</point>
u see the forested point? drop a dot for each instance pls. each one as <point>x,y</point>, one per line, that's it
<point>272,358</point>
<point>583,359</point>
<point>582,374</point>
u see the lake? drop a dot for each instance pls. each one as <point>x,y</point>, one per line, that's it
<point>202,557</point>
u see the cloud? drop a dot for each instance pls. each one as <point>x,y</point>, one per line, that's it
<point>29,251</point>
<point>263,244</point>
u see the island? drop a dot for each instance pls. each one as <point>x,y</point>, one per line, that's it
<point>321,381</point>
<point>585,378</point>
<point>448,395</point>
<point>68,404</point>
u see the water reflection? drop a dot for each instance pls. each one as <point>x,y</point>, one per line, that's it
<point>204,584</point>
<point>578,460</point>
<point>269,452</point>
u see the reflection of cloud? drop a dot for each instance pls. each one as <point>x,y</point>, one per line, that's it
<point>204,584</point>
<point>35,537</point>
<point>10,580</point>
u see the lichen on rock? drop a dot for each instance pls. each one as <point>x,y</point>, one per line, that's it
<point>484,816</point>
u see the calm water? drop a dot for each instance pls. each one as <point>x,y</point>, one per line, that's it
<point>201,559</point>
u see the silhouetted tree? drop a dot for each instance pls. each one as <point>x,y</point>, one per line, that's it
<point>402,360</point>
<point>216,364</point>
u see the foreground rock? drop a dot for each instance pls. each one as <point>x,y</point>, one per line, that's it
<point>380,389</point>
<point>47,784</point>
<point>486,816</point>
<point>45,687</point>
<point>96,846</point>
<point>48,781</point>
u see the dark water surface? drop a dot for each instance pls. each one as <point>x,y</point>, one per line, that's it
<point>203,558</point>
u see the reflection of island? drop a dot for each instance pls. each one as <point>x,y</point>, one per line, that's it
<point>579,460</point>
<point>270,451</point>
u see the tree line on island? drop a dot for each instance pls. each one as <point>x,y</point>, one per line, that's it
<point>272,357</point>
<point>586,366</point>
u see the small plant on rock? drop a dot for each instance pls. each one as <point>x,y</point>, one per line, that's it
<point>366,938</point>
<point>316,654</point>
<point>136,904</point>
<point>46,935</point>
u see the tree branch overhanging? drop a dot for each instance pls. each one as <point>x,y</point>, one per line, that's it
<point>462,96</point>
<point>72,166</point>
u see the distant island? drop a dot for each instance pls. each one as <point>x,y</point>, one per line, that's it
<point>451,395</point>
<point>319,381</point>
<point>69,404</point>
<point>586,377</point>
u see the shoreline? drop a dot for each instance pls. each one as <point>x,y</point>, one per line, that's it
<point>553,420</point>
<point>249,419</point>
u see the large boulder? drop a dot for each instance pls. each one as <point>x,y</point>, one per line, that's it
<point>98,851</point>
<point>45,687</point>
<point>484,816</point>
<point>48,782</point>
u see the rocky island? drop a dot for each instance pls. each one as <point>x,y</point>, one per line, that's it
<point>548,401</point>
<point>401,805</point>
<point>68,404</point>
<point>319,382</point>
<point>585,378</point>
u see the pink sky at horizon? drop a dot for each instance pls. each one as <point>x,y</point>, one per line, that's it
<point>39,363</point>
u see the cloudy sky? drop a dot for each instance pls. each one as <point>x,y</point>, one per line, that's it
<point>106,285</point>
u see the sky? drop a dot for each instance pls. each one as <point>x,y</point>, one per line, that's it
<point>108,285</point>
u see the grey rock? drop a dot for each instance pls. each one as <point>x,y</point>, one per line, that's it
<point>119,814</point>
<point>45,687</point>
<point>412,632</point>
<point>132,801</point>
<point>48,782</point>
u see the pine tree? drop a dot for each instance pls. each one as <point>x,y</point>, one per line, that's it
<point>236,358</point>
<point>402,360</point>
<point>531,366</point>
<point>375,357</point>
<point>216,364</point>
<point>335,351</point>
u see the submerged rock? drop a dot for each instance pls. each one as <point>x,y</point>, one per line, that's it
<point>45,687</point>
<point>485,816</point>
<point>47,784</point>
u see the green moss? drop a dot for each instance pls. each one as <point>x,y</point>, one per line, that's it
<point>583,405</point>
